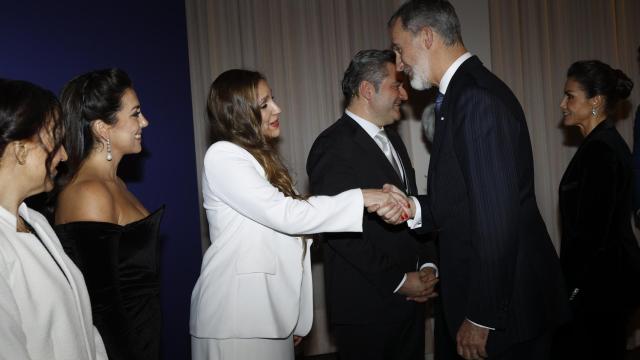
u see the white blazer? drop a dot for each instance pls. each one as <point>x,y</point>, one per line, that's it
<point>42,314</point>
<point>254,281</point>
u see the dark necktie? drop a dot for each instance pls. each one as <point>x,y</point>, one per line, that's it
<point>439,99</point>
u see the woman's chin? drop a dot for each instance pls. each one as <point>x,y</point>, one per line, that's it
<point>272,135</point>
<point>136,149</point>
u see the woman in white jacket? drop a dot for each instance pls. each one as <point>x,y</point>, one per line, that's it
<point>44,306</point>
<point>254,296</point>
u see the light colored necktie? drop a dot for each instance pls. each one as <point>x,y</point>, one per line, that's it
<point>383,141</point>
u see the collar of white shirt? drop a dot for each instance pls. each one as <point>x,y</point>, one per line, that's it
<point>448,75</point>
<point>371,128</point>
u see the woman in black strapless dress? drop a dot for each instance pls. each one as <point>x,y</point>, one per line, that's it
<point>102,226</point>
<point>120,267</point>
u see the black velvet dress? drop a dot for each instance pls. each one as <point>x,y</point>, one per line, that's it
<point>120,265</point>
<point>598,247</point>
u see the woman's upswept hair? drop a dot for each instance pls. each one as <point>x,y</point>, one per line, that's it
<point>234,115</point>
<point>598,78</point>
<point>27,109</point>
<point>86,98</point>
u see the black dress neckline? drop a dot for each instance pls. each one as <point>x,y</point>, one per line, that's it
<point>158,212</point>
<point>120,265</point>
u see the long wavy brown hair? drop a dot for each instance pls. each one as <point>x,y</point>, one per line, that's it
<point>234,115</point>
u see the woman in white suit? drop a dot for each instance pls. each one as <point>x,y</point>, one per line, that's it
<point>44,305</point>
<point>254,296</point>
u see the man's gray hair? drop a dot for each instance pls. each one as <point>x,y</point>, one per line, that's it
<point>439,15</point>
<point>366,65</point>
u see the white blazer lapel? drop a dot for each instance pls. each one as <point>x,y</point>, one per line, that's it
<point>47,235</point>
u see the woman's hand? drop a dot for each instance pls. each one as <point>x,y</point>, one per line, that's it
<point>392,206</point>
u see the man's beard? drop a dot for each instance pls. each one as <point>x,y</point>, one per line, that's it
<point>419,75</point>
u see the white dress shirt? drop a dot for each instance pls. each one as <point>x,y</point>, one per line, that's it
<point>372,129</point>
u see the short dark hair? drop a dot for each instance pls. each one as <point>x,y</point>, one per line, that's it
<point>439,15</point>
<point>86,98</point>
<point>598,78</point>
<point>366,65</point>
<point>25,110</point>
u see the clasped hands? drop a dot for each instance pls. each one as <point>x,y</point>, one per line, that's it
<point>420,285</point>
<point>394,207</point>
<point>390,203</point>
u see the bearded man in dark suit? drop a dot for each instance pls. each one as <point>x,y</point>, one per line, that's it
<point>501,289</point>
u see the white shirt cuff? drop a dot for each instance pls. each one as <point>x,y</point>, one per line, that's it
<point>416,222</point>
<point>404,278</point>
<point>430,265</point>
<point>478,325</point>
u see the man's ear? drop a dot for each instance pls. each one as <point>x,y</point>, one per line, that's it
<point>426,35</point>
<point>101,129</point>
<point>366,90</point>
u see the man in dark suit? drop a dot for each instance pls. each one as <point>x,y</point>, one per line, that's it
<point>501,289</point>
<point>376,281</point>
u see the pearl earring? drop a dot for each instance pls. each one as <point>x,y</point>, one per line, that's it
<point>594,112</point>
<point>109,156</point>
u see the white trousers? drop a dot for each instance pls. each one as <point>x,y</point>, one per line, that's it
<point>242,349</point>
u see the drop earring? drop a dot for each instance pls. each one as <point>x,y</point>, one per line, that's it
<point>109,156</point>
<point>594,112</point>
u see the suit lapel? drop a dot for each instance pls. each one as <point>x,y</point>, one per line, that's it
<point>401,150</point>
<point>571,174</point>
<point>373,151</point>
<point>440,128</point>
<point>445,117</point>
<point>46,236</point>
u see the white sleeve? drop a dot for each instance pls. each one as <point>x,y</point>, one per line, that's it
<point>13,341</point>
<point>430,265</point>
<point>230,173</point>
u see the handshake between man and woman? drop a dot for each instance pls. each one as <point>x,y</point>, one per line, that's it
<point>390,203</point>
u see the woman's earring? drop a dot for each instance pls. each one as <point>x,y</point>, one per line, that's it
<point>594,112</point>
<point>109,156</point>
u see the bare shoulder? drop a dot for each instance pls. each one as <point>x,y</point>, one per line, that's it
<point>86,200</point>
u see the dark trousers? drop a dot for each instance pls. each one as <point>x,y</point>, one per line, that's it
<point>593,335</point>
<point>403,340</point>
<point>446,348</point>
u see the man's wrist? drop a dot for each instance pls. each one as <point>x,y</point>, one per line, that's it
<point>412,207</point>
<point>415,219</point>
<point>404,279</point>
<point>431,266</point>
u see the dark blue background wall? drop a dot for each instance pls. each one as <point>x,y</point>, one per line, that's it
<point>49,42</point>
